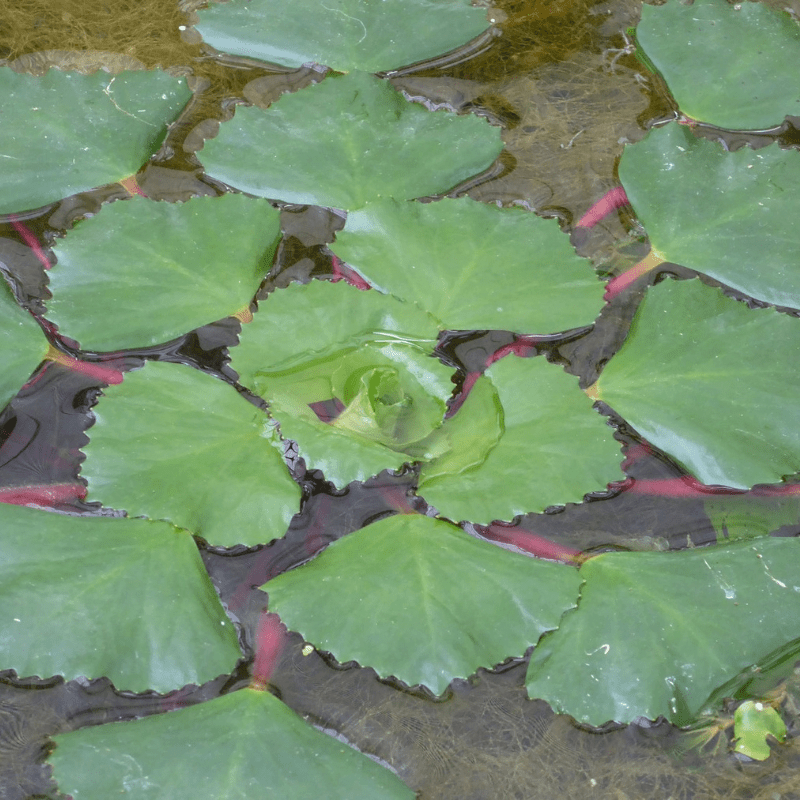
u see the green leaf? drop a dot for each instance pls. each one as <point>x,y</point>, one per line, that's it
<point>69,132</point>
<point>246,744</point>
<point>743,52</point>
<point>746,517</point>
<point>692,379</point>
<point>656,633</point>
<point>753,722</point>
<point>345,141</point>
<point>729,215</point>
<point>346,34</point>
<point>188,264</point>
<point>545,420</point>
<point>455,602</point>
<point>464,261</point>
<point>102,596</point>
<point>22,342</point>
<point>173,443</point>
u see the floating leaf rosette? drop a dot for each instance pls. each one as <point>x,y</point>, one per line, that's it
<point>464,263</point>
<point>70,132</point>
<point>465,603</point>
<point>732,216</point>
<point>692,379</point>
<point>744,53</point>
<point>345,141</point>
<point>188,264</point>
<point>346,34</point>
<point>245,744</point>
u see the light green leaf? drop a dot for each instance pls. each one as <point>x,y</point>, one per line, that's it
<point>345,141</point>
<point>727,65</point>
<point>245,744</point>
<point>656,633</point>
<point>729,215</point>
<point>753,723</point>
<point>173,443</point>
<point>69,132</point>
<point>464,262</point>
<point>188,264</point>
<point>102,596</point>
<point>455,602</point>
<point>346,34</point>
<point>692,379</point>
<point>545,420</point>
<point>23,344</point>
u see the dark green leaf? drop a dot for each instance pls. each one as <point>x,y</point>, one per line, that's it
<point>187,264</point>
<point>102,596</point>
<point>246,744</point>
<point>65,133</point>
<point>419,599</point>
<point>346,34</point>
<point>348,140</point>
<point>173,443</point>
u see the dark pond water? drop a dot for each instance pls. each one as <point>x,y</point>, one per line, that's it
<point>562,81</point>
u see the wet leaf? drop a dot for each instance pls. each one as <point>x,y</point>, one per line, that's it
<point>417,598</point>
<point>729,215</point>
<point>346,34</point>
<point>545,419</point>
<point>345,141</point>
<point>753,723</point>
<point>102,596</point>
<point>69,132</point>
<point>692,379</point>
<point>246,744</point>
<point>173,443</point>
<point>746,517</point>
<point>23,344</point>
<point>367,352</point>
<point>464,261</point>
<point>656,633</point>
<point>187,264</point>
<point>744,52</point>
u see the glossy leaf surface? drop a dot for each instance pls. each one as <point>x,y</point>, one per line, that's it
<point>345,35</point>
<point>417,598</point>
<point>753,723</point>
<point>246,744</point>
<point>173,443</point>
<point>71,132</point>
<point>729,215</point>
<point>187,264</point>
<point>98,596</point>
<point>653,631</point>
<point>464,262</point>
<point>691,375</point>
<point>345,141</point>
<point>744,52</point>
<point>23,344</point>
<point>545,418</point>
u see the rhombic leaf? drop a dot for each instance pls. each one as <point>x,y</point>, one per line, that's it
<point>142,272</point>
<point>345,141</point>
<point>692,378</point>
<point>656,633</point>
<point>23,344</point>
<point>246,744</point>
<point>464,262</point>
<point>729,215</point>
<point>346,34</point>
<point>417,598</point>
<point>173,443</point>
<point>545,420</point>
<point>366,352</point>
<point>728,65</point>
<point>65,133</point>
<point>101,596</point>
